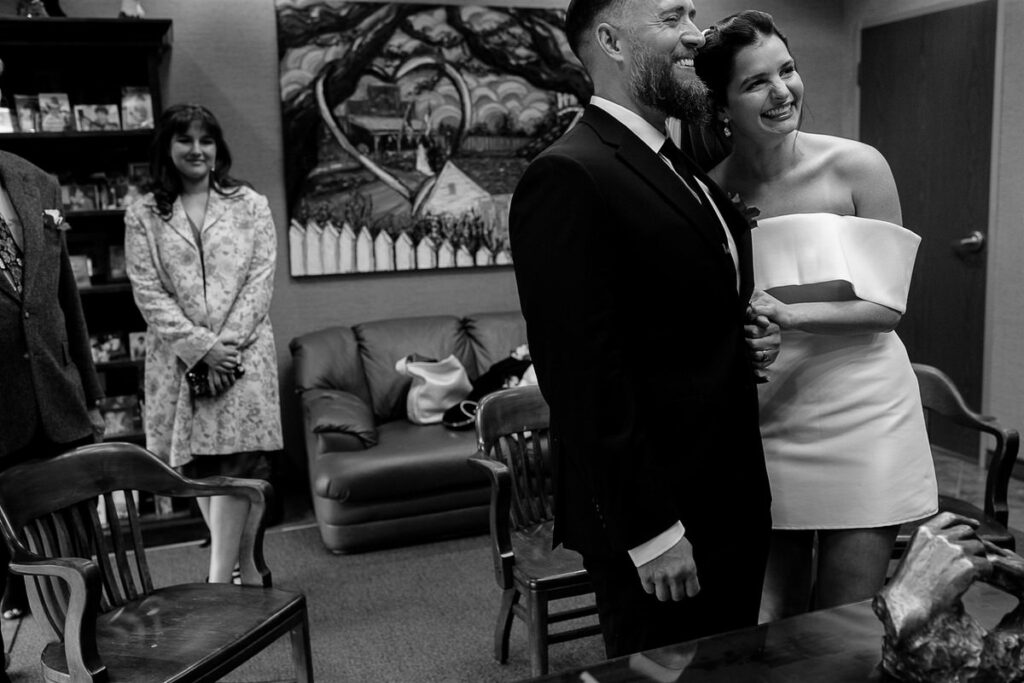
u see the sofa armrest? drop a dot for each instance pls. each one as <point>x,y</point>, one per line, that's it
<point>329,412</point>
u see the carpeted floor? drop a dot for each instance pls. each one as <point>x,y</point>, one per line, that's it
<point>420,613</point>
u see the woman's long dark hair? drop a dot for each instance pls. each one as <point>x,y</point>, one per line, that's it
<point>165,181</point>
<point>715,62</point>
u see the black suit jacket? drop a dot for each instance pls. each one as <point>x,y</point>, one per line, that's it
<point>46,369</point>
<point>636,331</point>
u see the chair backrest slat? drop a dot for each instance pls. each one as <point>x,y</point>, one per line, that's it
<point>532,468</point>
<point>140,555</point>
<point>54,601</point>
<point>541,440</point>
<point>117,540</point>
<point>101,554</point>
<point>503,450</point>
<point>512,428</point>
<point>82,523</point>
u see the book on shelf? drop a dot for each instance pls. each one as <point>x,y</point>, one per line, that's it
<point>27,108</point>
<point>81,266</point>
<point>108,347</point>
<point>6,120</point>
<point>121,415</point>
<point>137,345</point>
<point>136,108</point>
<point>80,197</point>
<point>116,268</point>
<point>55,112</point>
<point>97,117</point>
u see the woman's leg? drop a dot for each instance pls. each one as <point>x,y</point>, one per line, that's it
<point>226,519</point>
<point>852,564</point>
<point>787,581</point>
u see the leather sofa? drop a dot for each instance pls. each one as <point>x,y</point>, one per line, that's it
<point>376,478</point>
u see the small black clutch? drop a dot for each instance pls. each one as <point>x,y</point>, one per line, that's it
<point>198,379</point>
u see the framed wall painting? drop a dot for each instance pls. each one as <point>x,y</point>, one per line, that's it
<point>407,126</point>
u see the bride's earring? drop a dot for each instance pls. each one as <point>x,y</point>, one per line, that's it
<point>726,131</point>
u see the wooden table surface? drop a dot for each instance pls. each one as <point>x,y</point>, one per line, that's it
<point>839,645</point>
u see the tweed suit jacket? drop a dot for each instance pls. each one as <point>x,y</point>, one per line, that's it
<point>649,425</point>
<point>47,377</point>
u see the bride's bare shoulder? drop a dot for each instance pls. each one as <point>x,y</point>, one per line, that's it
<point>843,154</point>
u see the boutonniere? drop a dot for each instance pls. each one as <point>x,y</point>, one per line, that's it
<point>749,213</point>
<point>54,219</point>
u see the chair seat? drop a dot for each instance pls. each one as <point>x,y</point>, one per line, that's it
<point>184,632</point>
<point>990,529</point>
<point>542,567</point>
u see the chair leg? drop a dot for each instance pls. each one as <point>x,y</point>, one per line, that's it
<point>537,609</point>
<point>503,627</point>
<point>302,656</point>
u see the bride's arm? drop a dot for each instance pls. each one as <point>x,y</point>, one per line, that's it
<point>827,317</point>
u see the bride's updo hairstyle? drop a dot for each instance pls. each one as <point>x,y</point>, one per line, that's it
<point>722,41</point>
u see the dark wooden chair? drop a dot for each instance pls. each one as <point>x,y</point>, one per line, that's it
<point>90,587</point>
<point>514,449</point>
<point>940,397</point>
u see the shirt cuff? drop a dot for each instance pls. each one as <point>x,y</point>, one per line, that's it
<point>645,552</point>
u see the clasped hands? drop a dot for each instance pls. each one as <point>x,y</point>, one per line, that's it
<point>223,361</point>
<point>763,334</point>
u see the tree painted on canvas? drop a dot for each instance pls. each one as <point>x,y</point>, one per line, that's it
<point>415,121</point>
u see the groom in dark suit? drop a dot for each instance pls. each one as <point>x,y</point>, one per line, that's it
<point>634,272</point>
<point>48,385</point>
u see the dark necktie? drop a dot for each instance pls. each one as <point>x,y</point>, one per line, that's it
<point>682,168</point>
<point>686,170</point>
<point>10,256</point>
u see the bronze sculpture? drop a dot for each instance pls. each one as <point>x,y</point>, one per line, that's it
<point>929,636</point>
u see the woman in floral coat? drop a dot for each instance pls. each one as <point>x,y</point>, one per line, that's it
<point>200,251</point>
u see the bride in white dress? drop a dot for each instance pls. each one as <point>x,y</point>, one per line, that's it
<point>841,418</point>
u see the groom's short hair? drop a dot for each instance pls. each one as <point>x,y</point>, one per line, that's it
<point>580,18</point>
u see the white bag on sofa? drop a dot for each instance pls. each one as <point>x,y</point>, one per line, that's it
<point>437,385</point>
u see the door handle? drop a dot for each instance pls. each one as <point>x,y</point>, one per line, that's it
<point>971,244</point>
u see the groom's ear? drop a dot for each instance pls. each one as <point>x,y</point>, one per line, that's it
<point>608,40</point>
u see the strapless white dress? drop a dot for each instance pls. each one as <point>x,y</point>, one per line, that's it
<point>841,417</point>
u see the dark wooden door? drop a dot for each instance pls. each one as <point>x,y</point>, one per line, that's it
<point>926,103</point>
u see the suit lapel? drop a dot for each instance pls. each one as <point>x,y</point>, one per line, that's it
<point>643,161</point>
<point>24,196</point>
<point>739,227</point>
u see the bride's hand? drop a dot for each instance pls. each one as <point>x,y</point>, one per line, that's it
<point>764,304</point>
<point>763,340</point>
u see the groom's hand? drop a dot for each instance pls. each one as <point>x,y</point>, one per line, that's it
<point>673,574</point>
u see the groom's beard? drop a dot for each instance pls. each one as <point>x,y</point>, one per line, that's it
<point>653,82</point>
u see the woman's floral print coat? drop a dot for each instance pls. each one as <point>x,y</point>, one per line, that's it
<point>190,302</point>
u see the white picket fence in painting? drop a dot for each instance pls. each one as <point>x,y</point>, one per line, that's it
<point>326,249</point>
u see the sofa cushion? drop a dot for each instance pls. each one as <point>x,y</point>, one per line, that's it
<point>339,411</point>
<point>492,337</point>
<point>329,359</point>
<point>411,507</point>
<point>383,342</point>
<point>408,460</point>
